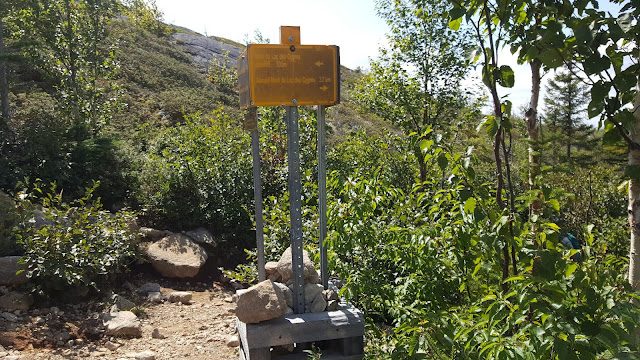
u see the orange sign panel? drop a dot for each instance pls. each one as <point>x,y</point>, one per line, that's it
<point>292,75</point>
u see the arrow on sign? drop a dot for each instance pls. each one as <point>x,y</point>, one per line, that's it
<point>319,63</point>
<point>324,88</point>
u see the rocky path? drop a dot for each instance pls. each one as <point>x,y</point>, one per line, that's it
<point>199,329</point>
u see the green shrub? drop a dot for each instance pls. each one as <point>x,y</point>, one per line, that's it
<point>199,174</point>
<point>77,245</point>
<point>9,219</point>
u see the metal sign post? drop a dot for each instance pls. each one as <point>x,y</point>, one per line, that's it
<point>295,208</point>
<point>322,195</point>
<point>292,75</point>
<point>251,124</point>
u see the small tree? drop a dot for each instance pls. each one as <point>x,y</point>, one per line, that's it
<point>566,105</point>
<point>416,82</point>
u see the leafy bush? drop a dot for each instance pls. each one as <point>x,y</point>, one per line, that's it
<point>426,267</point>
<point>199,174</point>
<point>77,245</point>
<point>9,218</point>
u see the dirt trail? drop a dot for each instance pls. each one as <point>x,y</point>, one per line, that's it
<point>194,331</point>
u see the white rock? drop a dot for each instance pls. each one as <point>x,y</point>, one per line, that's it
<point>261,302</point>
<point>233,341</point>
<point>176,256</point>
<point>286,270</point>
<point>180,296</point>
<point>145,355</point>
<point>123,323</point>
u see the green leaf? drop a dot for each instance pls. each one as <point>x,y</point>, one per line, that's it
<point>455,24</point>
<point>571,268</point>
<point>470,205</point>
<point>596,64</point>
<point>554,203</point>
<point>611,135</point>
<point>506,76</point>
<point>442,162</point>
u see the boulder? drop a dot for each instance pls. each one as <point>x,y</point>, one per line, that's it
<point>8,268</point>
<point>15,301</point>
<point>286,271</point>
<point>201,236</point>
<point>176,256</point>
<point>261,302</point>
<point>123,323</point>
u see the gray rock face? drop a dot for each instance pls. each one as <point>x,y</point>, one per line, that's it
<point>261,302</point>
<point>201,236</point>
<point>286,271</point>
<point>203,49</point>
<point>319,304</point>
<point>288,294</point>
<point>123,323</point>
<point>332,305</point>
<point>149,288</point>
<point>176,256</point>
<point>15,301</point>
<point>8,268</point>
<point>122,303</point>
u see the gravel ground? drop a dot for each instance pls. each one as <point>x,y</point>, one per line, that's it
<point>197,330</point>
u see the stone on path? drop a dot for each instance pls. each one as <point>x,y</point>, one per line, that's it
<point>123,323</point>
<point>261,302</point>
<point>176,256</point>
<point>145,355</point>
<point>233,341</point>
<point>180,296</point>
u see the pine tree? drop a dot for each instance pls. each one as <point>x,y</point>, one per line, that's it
<point>569,137</point>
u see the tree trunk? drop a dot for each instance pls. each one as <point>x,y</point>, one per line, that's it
<point>531,120</point>
<point>634,202</point>
<point>4,84</point>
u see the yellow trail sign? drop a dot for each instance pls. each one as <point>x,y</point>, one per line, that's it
<point>291,75</point>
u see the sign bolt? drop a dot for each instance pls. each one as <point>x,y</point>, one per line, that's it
<point>294,101</point>
<point>291,38</point>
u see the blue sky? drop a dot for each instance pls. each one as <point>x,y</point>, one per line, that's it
<point>351,24</point>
